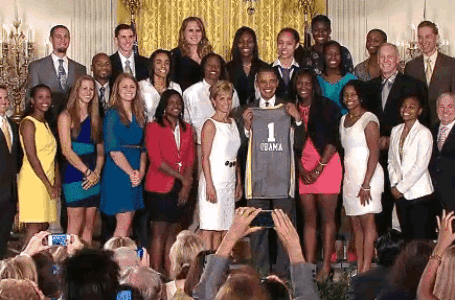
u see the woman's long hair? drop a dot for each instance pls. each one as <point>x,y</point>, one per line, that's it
<point>236,57</point>
<point>160,110</point>
<point>152,68</point>
<point>137,107</point>
<point>316,88</point>
<point>203,47</point>
<point>74,110</point>
<point>29,107</point>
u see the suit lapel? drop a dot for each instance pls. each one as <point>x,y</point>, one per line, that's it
<point>117,63</point>
<point>50,69</point>
<point>449,138</point>
<point>437,65</point>
<point>421,69</point>
<point>70,78</point>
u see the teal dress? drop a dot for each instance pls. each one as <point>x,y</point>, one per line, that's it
<point>333,90</point>
<point>117,194</point>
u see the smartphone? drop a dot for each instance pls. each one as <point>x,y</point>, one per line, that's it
<point>140,252</point>
<point>263,219</point>
<point>58,239</point>
<point>125,295</point>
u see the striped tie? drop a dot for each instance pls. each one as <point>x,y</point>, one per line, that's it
<point>61,75</point>
<point>442,136</point>
<point>128,67</point>
<point>428,71</point>
<point>7,133</point>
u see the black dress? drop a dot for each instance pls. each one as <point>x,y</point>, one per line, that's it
<point>186,71</point>
<point>244,83</point>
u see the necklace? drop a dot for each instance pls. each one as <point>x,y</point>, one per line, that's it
<point>354,116</point>
<point>248,65</point>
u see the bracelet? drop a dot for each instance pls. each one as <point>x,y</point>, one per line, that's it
<point>321,164</point>
<point>317,172</point>
<point>88,172</point>
<point>365,189</point>
<point>436,256</point>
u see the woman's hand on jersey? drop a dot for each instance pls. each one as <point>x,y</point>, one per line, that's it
<point>211,193</point>
<point>292,110</point>
<point>247,118</point>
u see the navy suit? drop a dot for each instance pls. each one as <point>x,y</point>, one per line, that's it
<point>140,65</point>
<point>8,186</point>
<point>442,169</point>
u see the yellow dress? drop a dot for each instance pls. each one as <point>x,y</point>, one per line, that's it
<point>35,204</point>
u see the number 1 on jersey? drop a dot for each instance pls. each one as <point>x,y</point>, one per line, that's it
<point>271,138</point>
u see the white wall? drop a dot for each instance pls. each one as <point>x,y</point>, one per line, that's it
<point>91,23</point>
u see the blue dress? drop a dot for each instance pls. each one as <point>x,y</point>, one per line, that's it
<point>117,194</point>
<point>85,148</point>
<point>333,90</point>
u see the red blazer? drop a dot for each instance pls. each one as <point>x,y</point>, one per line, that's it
<point>161,147</point>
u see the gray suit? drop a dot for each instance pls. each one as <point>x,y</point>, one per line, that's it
<point>442,80</point>
<point>42,71</point>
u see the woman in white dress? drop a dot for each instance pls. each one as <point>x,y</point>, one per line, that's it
<point>159,81</point>
<point>220,182</point>
<point>363,178</point>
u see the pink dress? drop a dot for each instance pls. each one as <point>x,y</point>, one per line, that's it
<point>329,182</point>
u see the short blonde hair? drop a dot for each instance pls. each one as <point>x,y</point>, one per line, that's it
<point>126,258</point>
<point>118,241</point>
<point>14,289</point>
<point>220,87</point>
<point>184,250</point>
<point>19,267</point>
<point>444,286</point>
<point>146,280</point>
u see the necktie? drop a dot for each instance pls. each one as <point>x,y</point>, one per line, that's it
<point>428,71</point>
<point>267,103</point>
<point>103,102</point>
<point>286,75</point>
<point>128,67</point>
<point>61,75</point>
<point>7,133</point>
<point>442,136</point>
<point>386,91</point>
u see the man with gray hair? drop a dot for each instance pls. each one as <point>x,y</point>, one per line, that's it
<point>385,95</point>
<point>442,164</point>
<point>146,280</point>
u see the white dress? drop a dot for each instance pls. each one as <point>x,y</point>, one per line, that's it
<point>151,97</point>
<point>219,215</point>
<point>355,163</point>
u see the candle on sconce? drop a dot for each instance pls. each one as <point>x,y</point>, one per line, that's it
<point>16,10</point>
<point>414,33</point>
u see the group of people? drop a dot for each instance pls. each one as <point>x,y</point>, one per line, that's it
<point>142,137</point>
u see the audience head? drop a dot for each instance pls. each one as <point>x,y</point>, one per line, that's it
<point>145,280</point>
<point>119,241</point>
<point>321,29</point>
<point>375,38</point>
<point>276,288</point>
<point>14,289</point>
<point>125,91</point>
<point>4,100</point>
<point>161,66</point>
<point>427,37</point>
<point>48,282</point>
<point>124,39</point>
<point>126,258</point>
<point>333,58</point>
<point>245,45</point>
<point>307,87</point>
<point>267,82</point>
<point>60,39</point>
<point>195,271</point>
<point>388,59</point>
<point>445,108</point>
<point>184,251</point>
<point>409,266</point>
<point>91,274</point>
<point>287,41</point>
<point>18,267</point>
<point>411,108</point>
<point>171,105</point>
<point>242,287</point>
<point>444,287</point>
<point>101,68</point>
<point>353,95</point>
<point>388,247</point>
<point>192,33</point>
<point>83,93</point>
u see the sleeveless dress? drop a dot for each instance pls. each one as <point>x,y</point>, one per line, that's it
<point>226,142</point>
<point>355,163</point>
<point>35,204</point>
<point>117,194</point>
<point>85,148</point>
<point>329,182</point>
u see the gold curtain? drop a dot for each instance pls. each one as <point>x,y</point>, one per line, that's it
<point>159,22</point>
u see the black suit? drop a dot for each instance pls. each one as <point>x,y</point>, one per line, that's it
<point>389,116</point>
<point>8,186</point>
<point>283,91</point>
<point>140,66</point>
<point>442,169</point>
<point>260,240</point>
